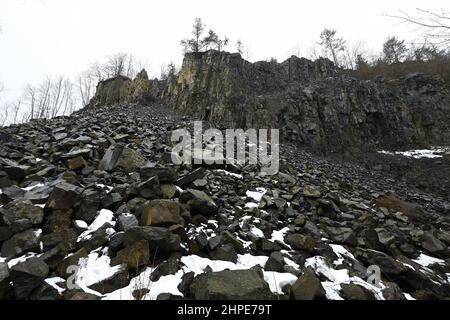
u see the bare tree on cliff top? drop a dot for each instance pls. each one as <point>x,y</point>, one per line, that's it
<point>332,44</point>
<point>196,43</point>
<point>394,50</point>
<point>436,26</point>
<point>213,40</point>
<point>239,47</point>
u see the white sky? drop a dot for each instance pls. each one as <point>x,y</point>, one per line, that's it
<point>62,37</point>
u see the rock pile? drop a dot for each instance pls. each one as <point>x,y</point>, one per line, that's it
<point>93,208</point>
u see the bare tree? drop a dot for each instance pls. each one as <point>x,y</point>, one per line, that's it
<point>436,26</point>
<point>29,95</point>
<point>394,50</point>
<point>213,40</point>
<point>221,43</point>
<point>195,44</point>
<point>425,52</point>
<point>50,98</point>
<point>168,72</point>
<point>353,53</point>
<point>313,52</point>
<point>239,47</point>
<point>332,44</point>
<point>43,92</point>
<point>16,108</point>
<point>86,87</point>
<point>4,114</point>
<point>119,64</point>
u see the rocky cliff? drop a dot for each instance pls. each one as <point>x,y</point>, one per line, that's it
<point>314,103</point>
<point>123,90</point>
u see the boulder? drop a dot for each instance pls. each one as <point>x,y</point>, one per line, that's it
<point>71,260</point>
<point>354,292</point>
<point>150,189</point>
<point>22,209</point>
<point>231,285</point>
<point>158,238</point>
<point>14,171</point>
<point>77,163</point>
<point>65,239</point>
<point>21,243</point>
<point>134,255</point>
<point>228,238</point>
<point>57,221</point>
<point>301,242</point>
<point>191,177</point>
<point>118,280</point>
<point>311,191</point>
<point>111,157</point>
<point>27,276</point>
<point>308,287</point>
<point>126,221</point>
<point>412,211</point>
<point>161,213</point>
<point>97,238</point>
<point>63,196</point>
<point>89,205</point>
<point>199,202</point>
<point>130,160</point>
<point>5,289</point>
<point>275,262</point>
<point>165,175</point>
<point>432,244</point>
<point>342,235</point>
<point>170,266</point>
<point>388,265</point>
<point>224,252</point>
<point>118,156</point>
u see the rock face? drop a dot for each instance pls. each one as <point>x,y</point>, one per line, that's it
<point>317,105</point>
<point>121,89</point>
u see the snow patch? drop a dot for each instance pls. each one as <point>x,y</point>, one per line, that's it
<point>278,235</point>
<point>425,260</point>
<point>32,187</point>
<point>108,188</point>
<point>256,195</point>
<point>342,253</point>
<point>80,224</point>
<point>408,296</point>
<point>104,216</point>
<point>338,277</point>
<point>53,282</point>
<point>94,268</point>
<point>418,154</point>
<point>238,176</point>
<point>257,232</point>
<point>23,258</point>
<point>277,280</point>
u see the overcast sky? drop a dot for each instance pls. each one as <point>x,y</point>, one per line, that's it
<point>62,37</point>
